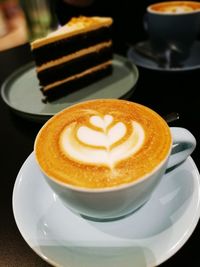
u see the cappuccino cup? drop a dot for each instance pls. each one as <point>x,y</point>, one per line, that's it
<point>105,157</point>
<point>173,28</point>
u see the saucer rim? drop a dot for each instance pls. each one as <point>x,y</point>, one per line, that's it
<point>6,88</point>
<point>166,255</point>
<point>131,50</point>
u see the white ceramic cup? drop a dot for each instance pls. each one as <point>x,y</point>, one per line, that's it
<point>119,201</point>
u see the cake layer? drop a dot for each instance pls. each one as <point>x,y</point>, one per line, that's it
<point>70,45</point>
<point>75,65</point>
<point>70,85</point>
<point>74,27</point>
<point>77,75</point>
<point>82,52</point>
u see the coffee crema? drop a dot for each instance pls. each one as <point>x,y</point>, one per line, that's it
<point>102,143</point>
<point>175,7</point>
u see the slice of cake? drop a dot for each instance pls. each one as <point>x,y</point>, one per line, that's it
<point>73,56</point>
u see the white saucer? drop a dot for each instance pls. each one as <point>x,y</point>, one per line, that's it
<point>191,63</point>
<point>146,238</point>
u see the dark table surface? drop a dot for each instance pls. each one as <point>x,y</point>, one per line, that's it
<point>162,91</point>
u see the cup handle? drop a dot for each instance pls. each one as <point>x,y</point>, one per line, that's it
<point>184,144</point>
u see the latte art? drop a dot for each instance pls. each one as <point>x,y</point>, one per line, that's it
<point>176,7</point>
<point>103,141</point>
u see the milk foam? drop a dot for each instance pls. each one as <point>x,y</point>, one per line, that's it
<point>177,9</point>
<point>103,141</point>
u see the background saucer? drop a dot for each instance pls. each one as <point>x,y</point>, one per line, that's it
<point>192,62</point>
<point>146,238</point>
<point>21,90</point>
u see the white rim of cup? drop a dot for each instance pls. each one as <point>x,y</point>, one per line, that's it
<point>107,189</point>
<point>149,8</point>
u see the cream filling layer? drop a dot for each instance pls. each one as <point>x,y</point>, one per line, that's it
<point>79,75</point>
<point>72,29</point>
<point>80,53</point>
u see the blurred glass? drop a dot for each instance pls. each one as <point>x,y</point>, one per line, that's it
<point>12,25</point>
<point>40,17</point>
<point>3,29</point>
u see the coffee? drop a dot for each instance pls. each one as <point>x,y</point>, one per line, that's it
<point>177,7</point>
<point>102,143</point>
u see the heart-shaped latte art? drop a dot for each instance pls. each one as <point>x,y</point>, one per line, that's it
<point>105,138</point>
<point>102,141</point>
<point>101,122</point>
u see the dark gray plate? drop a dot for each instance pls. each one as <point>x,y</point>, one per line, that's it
<point>21,91</point>
<point>191,63</point>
